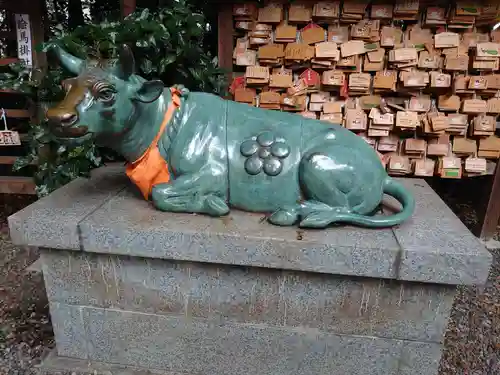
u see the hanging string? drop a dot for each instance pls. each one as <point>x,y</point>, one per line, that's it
<point>4,118</point>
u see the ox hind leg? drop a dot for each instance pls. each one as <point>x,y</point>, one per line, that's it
<point>199,192</point>
<point>336,183</point>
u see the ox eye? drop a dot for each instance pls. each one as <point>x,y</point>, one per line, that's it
<point>107,96</point>
<point>104,92</point>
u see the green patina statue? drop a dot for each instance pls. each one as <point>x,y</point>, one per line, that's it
<point>224,154</point>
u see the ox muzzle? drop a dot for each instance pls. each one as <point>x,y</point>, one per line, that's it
<point>63,117</point>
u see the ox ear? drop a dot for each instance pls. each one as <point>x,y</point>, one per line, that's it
<point>150,91</point>
<point>126,62</point>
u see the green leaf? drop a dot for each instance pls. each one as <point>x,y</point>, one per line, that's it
<point>152,41</point>
<point>41,47</point>
<point>146,66</point>
<point>22,162</point>
<point>167,60</point>
<point>42,190</point>
<point>76,152</point>
<point>61,149</point>
<point>113,35</point>
<point>95,159</point>
<point>144,14</point>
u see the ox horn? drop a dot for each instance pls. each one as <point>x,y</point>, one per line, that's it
<point>126,62</point>
<point>70,62</point>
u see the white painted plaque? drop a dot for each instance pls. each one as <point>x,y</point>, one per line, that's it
<point>24,48</point>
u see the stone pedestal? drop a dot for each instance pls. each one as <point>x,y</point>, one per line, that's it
<point>133,290</point>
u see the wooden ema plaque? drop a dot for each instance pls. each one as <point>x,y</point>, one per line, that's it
<point>428,92</point>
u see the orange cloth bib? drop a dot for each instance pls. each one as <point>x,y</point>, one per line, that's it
<point>151,169</point>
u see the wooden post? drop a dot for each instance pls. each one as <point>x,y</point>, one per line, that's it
<point>225,38</point>
<point>491,217</point>
<point>127,7</point>
<point>37,33</point>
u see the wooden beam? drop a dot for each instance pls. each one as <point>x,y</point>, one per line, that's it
<point>10,160</point>
<point>225,39</point>
<point>492,213</point>
<point>17,185</point>
<point>127,7</point>
<point>18,113</point>
<point>10,91</point>
<point>8,60</point>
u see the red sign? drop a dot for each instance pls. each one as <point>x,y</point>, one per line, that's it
<point>237,83</point>
<point>310,77</point>
<point>311,26</point>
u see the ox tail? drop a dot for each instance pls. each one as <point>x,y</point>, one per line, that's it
<point>320,217</point>
<point>394,189</point>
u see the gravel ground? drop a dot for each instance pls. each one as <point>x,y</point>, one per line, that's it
<point>472,344</point>
<point>25,330</point>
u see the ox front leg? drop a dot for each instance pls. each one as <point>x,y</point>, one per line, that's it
<point>200,192</point>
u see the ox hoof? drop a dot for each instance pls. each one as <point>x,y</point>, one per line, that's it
<point>284,217</point>
<point>216,206</point>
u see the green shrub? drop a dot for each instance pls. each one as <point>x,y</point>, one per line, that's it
<point>168,44</point>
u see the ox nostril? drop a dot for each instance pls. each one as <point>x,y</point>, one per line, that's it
<point>68,119</point>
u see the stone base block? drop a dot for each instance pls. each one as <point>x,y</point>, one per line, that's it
<point>414,359</point>
<point>53,364</point>
<point>197,318</point>
<point>192,346</point>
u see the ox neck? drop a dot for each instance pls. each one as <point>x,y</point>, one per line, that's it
<point>147,121</point>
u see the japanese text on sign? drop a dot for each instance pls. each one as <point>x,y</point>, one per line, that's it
<point>23,30</point>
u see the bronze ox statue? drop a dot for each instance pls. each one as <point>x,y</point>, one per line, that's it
<point>195,152</point>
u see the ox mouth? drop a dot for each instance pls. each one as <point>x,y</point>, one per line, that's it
<point>74,132</point>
